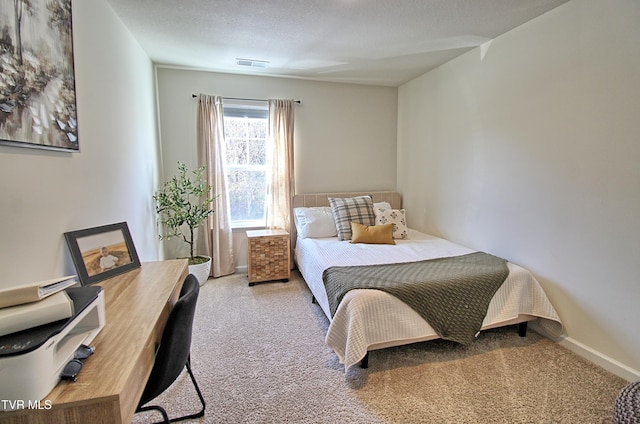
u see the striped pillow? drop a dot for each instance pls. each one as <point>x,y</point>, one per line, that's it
<point>357,209</point>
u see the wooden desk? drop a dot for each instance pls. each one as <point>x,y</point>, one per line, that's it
<point>108,388</point>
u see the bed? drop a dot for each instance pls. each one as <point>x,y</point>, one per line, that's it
<point>369,319</point>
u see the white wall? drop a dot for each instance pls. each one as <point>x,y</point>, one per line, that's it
<point>45,193</point>
<point>344,134</point>
<point>532,153</point>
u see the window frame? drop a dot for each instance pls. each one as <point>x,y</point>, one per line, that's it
<point>255,110</point>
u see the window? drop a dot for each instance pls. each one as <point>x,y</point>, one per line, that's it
<point>246,137</point>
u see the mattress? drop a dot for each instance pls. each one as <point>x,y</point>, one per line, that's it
<point>371,319</point>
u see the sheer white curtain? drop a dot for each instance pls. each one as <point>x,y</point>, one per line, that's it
<point>216,235</point>
<point>281,183</point>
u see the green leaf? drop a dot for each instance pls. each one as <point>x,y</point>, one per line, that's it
<point>183,204</point>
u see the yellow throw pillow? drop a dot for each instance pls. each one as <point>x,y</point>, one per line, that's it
<point>372,234</point>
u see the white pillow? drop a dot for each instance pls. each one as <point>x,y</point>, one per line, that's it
<point>381,205</point>
<point>315,222</point>
<point>396,217</point>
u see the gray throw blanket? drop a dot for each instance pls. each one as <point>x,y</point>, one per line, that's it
<point>451,294</point>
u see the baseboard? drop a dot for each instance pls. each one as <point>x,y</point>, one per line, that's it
<point>241,269</point>
<point>609,364</point>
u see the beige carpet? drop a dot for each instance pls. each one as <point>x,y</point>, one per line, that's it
<point>259,356</point>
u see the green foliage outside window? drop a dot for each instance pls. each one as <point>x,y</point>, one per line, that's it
<point>246,162</point>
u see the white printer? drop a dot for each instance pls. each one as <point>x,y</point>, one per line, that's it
<point>31,360</point>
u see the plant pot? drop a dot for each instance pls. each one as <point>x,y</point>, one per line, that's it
<point>201,271</point>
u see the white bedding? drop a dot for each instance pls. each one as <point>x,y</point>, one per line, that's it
<point>372,319</point>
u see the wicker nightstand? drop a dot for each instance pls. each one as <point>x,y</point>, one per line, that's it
<point>268,256</point>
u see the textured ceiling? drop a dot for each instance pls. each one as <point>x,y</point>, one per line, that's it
<point>380,42</point>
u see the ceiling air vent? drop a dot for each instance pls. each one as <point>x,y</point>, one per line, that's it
<point>252,63</point>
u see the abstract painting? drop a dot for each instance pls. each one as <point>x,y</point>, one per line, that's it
<point>37,78</point>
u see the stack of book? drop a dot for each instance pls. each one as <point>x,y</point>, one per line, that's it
<point>34,304</point>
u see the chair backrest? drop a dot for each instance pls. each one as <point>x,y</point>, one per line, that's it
<point>175,344</point>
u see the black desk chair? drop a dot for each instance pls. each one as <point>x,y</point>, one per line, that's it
<point>174,352</point>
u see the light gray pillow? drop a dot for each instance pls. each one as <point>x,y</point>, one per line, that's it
<point>357,209</point>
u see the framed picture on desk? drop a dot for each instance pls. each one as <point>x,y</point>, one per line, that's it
<point>101,252</point>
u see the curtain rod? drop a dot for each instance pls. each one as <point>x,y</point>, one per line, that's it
<point>240,98</point>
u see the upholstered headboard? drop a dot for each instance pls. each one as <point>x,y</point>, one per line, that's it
<point>322,199</point>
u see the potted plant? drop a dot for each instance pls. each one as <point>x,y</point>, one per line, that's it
<point>182,205</point>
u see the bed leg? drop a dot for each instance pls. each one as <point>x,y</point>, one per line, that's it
<point>313,299</point>
<point>364,363</point>
<point>522,329</point>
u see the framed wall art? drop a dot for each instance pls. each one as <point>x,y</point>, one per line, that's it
<point>37,88</point>
<point>102,252</point>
